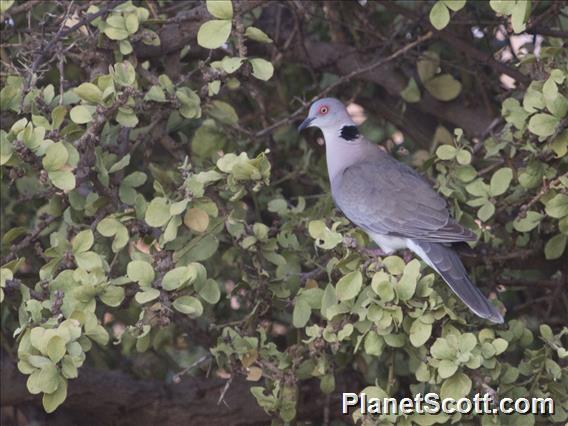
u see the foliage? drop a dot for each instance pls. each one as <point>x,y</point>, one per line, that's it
<point>144,203</point>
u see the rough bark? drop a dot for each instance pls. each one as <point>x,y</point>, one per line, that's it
<point>105,397</point>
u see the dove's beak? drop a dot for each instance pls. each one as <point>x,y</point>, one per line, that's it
<point>305,124</point>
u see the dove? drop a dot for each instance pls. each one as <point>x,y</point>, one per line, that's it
<point>392,203</point>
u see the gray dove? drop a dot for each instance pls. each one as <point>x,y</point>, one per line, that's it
<point>392,203</point>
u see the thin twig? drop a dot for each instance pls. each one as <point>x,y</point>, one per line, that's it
<point>64,33</point>
<point>224,391</point>
<point>177,376</point>
<point>543,190</point>
<point>29,239</point>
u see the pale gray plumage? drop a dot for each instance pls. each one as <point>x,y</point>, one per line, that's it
<point>393,203</point>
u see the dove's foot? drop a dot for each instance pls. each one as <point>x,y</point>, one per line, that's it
<point>376,252</point>
<point>407,255</point>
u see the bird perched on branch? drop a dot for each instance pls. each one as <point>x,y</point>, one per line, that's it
<point>392,203</point>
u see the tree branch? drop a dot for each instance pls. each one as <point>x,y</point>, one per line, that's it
<point>193,401</point>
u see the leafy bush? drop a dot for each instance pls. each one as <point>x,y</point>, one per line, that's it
<point>155,190</point>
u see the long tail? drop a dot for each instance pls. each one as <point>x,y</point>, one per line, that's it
<point>446,262</point>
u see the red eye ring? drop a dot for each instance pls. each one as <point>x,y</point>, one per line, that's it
<point>323,110</point>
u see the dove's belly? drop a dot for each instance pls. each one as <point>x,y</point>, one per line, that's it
<point>389,244</point>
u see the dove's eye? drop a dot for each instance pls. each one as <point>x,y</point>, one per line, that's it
<point>323,110</point>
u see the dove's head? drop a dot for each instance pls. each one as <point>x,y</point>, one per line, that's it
<point>328,114</point>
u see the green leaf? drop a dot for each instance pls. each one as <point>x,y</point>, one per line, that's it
<point>454,5</point>
<point>528,223</point>
<point>486,211</point>
<point>213,87</point>
<point>500,181</point>
<point>191,103</point>
<point>213,34</point>
<point>514,113</point>
<point>442,350</point>
<point>447,368</point>
<point>88,260</point>
<point>406,285</point>
<point>463,156</point>
<point>125,47</point>
<point>230,65</point>
<point>261,68</point>
<point>121,164</point>
<point>328,301</point>
<point>222,9</point>
<point>223,112</point>
<point>116,33</point>
<point>504,7</point>
<point>209,291</point>
<point>427,65</point>
<point>188,305</point>
<point>5,148</point>
<point>196,219</point>
<point>112,296</point>
<point>80,114</point>
<point>131,22</point>
<point>457,386</point>
<point>5,5</point>
<point>349,286</point>
<point>325,237</point>
<point>124,74</point>
<point>446,152</point>
<point>147,295</point>
<point>257,35</point>
<point>557,206</point>
<point>394,264</point>
<point>141,272</point>
<point>374,344</point>
<point>419,333</point>
<point>439,15</point>
<point>98,334</point>
<point>157,213</point>
<point>126,117</point>
<point>45,379</point>
<point>156,93</point>
<point>395,340</point>
<point>202,249</point>
<point>543,124</point>
<point>83,241</point>
<point>500,345</point>
<point>327,384</point>
<point>175,278</point>
<point>382,287</point>
<point>68,368</point>
<point>62,179</point>
<point>135,179</point>
<point>57,116</point>
<point>53,400</point>
<point>555,247</point>
<point>443,87</point>
<point>55,157</point>
<point>55,348</point>
<point>301,314</point>
<point>89,92</point>
<point>520,14</point>
<point>411,92</point>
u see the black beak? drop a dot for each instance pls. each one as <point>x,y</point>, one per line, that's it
<point>306,123</point>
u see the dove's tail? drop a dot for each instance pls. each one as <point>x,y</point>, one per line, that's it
<point>445,261</point>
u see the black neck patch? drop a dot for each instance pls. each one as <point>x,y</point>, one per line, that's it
<point>349,133</point>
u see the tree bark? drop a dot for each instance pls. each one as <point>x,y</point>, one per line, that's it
<point>109,397</point>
